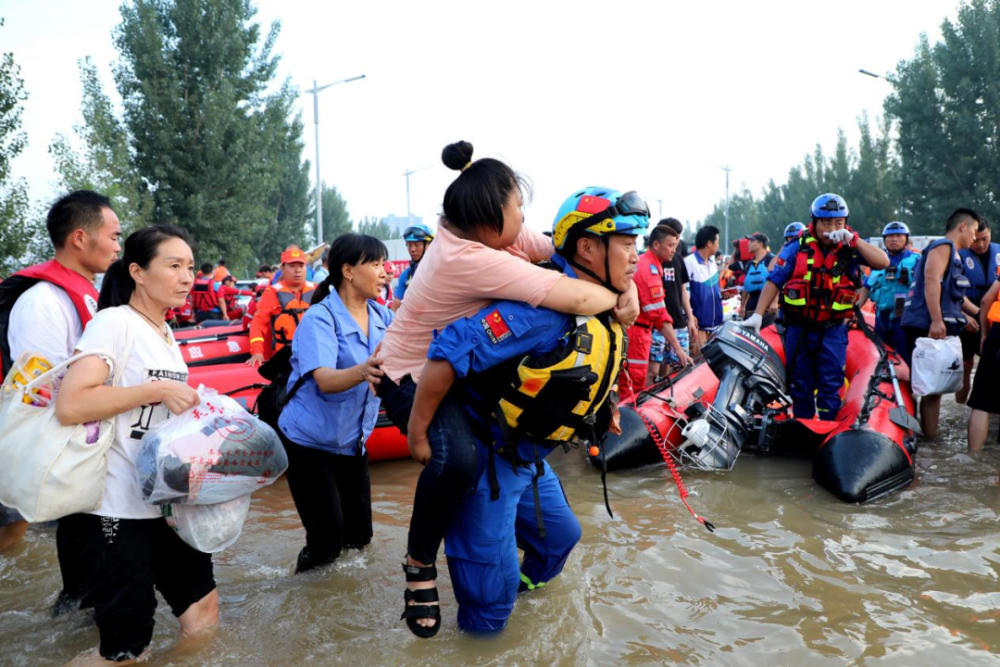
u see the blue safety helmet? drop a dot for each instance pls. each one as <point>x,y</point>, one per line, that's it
<point>418,233</point>
<point>601,212</point>
<point>895,228</point>
<point>829,206</point>
<point>794,230</point>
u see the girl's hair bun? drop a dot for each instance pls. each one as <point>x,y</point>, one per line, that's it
<point>457,155</point>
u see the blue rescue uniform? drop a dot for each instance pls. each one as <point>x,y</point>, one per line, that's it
<point>404,280</point>
<point>483,540</point>
<point>887,289</point>
<point>981,270</point>
<point>815,354</point>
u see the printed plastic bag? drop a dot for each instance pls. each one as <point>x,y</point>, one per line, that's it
<point>209,528</point>
<point>937,366</point>
<point>210,454</point>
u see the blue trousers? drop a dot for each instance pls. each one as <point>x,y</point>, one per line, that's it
<point>888,329</point>
<point>816,359</point>
<point>482,542</point>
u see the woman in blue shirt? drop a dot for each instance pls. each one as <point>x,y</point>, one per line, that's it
<point>333,407</point>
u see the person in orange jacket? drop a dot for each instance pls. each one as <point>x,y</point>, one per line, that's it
<point>280,308</point>
<point>653,313</point>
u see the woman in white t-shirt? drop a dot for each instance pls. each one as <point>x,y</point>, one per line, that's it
<point>129,550</point>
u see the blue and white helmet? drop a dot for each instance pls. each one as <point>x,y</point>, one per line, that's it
<point>829,206</point>
<point>895,228</point>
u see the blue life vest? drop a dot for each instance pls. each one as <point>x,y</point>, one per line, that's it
<point>885,284</point>
<point>756,274</point>
<point>980,280</point>
<point>953,286</point>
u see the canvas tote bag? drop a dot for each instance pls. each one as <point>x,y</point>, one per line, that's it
<point>48,470</point>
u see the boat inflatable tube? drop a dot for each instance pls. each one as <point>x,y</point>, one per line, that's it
<point>734,400</point>
<point>214,345</point>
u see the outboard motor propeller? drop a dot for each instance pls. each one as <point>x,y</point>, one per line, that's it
<point>751,376</point>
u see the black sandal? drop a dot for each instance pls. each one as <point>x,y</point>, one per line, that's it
<point>415,611</point>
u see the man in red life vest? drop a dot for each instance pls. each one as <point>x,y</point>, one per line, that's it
<point>228,292</point>
<point>43,310</point>
<point>818,279</point>
<point>204,297</point>
<point>653,313</point>
<point>280,308</point>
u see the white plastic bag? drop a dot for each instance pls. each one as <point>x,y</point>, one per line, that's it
<point>937,366</point>
<point>209,528</point>
<point>210,454</point>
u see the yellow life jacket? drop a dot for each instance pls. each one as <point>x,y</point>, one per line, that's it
<point>554,397</point>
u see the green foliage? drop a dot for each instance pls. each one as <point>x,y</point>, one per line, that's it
<point>946,102</point>
<point>206,139</point>
<point>865,177</point>
<point>105,165</point>
<point>336,219</point>
<point>19,229</point>
<point>380,229</point>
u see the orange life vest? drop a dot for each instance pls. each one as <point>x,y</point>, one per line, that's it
<point>293,305</point>
<point>994,314</point>
<point>820,289</point>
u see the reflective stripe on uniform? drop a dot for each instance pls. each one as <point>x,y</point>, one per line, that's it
<point>531,586</point>
<point>654,306</point>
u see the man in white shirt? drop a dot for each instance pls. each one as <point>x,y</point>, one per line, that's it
<point>43,310</point>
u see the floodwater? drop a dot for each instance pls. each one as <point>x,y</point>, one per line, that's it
<point>791,577</point>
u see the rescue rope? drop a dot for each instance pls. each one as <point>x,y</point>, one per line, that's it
<point>654,432</point>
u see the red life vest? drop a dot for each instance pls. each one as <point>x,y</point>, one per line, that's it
<point>80,290</point>
<point>820,289</point>
<point>203,295</point>
<point>283,324</point>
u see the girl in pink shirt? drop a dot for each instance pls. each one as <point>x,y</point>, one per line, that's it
<point>482,253</point>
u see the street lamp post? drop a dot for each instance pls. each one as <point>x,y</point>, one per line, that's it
<point>727,169</point>
<point>409,216</point>
<point>315,91</point>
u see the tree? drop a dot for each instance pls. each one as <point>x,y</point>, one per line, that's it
<point>380,229</point>
<point>205,140</point>
<point>105,165</point>
<point>336,219</point>
<point>18,228</point>
<point>946,103</point>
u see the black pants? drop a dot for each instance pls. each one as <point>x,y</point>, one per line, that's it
<point>333,495</point>
<point>123,561</point>
<point>71,538</point>
<point>447,479</point>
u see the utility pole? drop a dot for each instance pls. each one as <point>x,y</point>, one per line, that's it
<point>660,202</point>
<point>409,215</point>
<point>727,169</point>
<point>315,91</point>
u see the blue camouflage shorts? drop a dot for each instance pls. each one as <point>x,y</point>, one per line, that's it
<point>657,348</point>
<point>685,341</point>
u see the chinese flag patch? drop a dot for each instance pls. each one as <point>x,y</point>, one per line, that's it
<point>495,327</point>
<point>780,262</point>
<point>657,292</point>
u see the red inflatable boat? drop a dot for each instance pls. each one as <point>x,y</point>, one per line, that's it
<point>214,345</point>
<point>244,384</point>
<point>734,400</point>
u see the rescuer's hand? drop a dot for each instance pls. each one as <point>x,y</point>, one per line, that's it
<point>843,236</point>
<point>255,360</point>
<point>753,322</point>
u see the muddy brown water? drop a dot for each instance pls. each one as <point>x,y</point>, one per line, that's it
<point>792,576</point>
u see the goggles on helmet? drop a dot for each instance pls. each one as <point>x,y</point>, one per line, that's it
<point>629,203</point>
<point>416,234</point>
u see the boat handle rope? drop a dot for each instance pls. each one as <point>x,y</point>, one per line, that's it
<point>654,432</point>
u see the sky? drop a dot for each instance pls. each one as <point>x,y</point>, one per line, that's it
<point>649,96</point>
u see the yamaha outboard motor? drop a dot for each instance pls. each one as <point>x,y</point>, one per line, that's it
<point>751,376</point>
